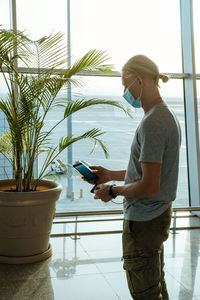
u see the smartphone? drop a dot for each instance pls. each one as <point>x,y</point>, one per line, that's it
<point>85,170</point>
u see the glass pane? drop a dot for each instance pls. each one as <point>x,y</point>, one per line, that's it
<point>196,12</point>
<point>40,18</point>
<point>198,101</point>
<point>173,95</point>
<point>4,14</point>
<point>5,167</point>
<point>129,27</point>
<point>119,130</point>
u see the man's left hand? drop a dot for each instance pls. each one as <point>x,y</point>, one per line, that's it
<point>102,192</point>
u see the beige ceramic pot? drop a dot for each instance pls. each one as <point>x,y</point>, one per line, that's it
<point>25,222</point>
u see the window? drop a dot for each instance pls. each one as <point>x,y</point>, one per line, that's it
<point>126,28</point>
<point>41,18</point>
<point>123,29</point>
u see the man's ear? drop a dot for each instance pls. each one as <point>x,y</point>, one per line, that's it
<point>140,81</point>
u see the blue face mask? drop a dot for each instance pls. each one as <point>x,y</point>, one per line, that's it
<point>131,100</point>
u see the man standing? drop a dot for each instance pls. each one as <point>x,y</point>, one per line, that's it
<point>150,181</point>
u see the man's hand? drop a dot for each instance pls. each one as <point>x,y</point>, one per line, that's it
<point>105,175</point>
<point>102,192</point>
<point>102,173</point>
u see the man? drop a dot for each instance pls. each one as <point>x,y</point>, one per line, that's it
<point>150,181</point>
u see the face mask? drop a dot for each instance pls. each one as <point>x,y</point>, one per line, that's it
<point>130,99</point>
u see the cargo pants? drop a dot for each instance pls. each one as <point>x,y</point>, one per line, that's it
<point>143,255</point>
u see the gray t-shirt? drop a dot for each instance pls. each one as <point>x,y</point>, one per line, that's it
<point>157,139</point>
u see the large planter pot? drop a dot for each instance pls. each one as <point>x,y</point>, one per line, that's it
<point>25,222</point>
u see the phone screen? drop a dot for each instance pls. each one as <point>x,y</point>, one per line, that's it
<point>85,171</point>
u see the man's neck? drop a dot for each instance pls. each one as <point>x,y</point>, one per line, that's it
<point>148,105</point>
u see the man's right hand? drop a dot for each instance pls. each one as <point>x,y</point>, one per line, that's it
<point>103,174</point>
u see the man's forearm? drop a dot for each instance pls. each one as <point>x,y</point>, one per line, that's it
<point>136,190</point>
<point>117,175</point>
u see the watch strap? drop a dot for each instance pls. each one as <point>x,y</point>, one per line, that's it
<point>111,191</point>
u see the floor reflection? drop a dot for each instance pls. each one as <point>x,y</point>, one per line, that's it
<point>190,269</point>
<point>80,265</point>
<point>64,268</point>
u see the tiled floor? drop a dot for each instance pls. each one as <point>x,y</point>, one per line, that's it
<point>90,268</point>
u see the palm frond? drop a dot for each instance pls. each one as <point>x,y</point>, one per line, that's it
<point>65,142</point>
<point>51,154</point>
<point>49,52</point>
<point>102,146</point>
<point>80,104</point>
<point>10,41</point>
<point>6,146</point>
<point>13,121</point>
<point>93,60</point>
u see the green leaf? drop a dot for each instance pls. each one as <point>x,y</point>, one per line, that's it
<point>80,104</point>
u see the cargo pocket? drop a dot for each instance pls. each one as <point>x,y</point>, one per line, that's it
<point>134,261</point>
<point>142,271</point>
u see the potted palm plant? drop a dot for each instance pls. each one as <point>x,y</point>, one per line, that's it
<point>27,202</point>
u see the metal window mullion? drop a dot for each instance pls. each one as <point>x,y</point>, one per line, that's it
<point>190,98</point>
<point>13,26</point>
<point>99,74</point>
<point>69,95</point>
<point>13,15</point>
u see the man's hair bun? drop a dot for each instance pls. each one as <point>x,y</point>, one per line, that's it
<point>163,77</point>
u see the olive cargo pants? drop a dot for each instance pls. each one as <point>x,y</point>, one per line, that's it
<point>143,254</point>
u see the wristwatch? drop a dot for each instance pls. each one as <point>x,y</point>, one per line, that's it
<point>111,191</point>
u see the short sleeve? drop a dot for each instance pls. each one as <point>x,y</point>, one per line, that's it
<point>152,138</point>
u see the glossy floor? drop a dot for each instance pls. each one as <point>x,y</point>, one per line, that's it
<point>90,267</point>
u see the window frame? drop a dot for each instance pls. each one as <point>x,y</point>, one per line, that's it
<point>188,77</point>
